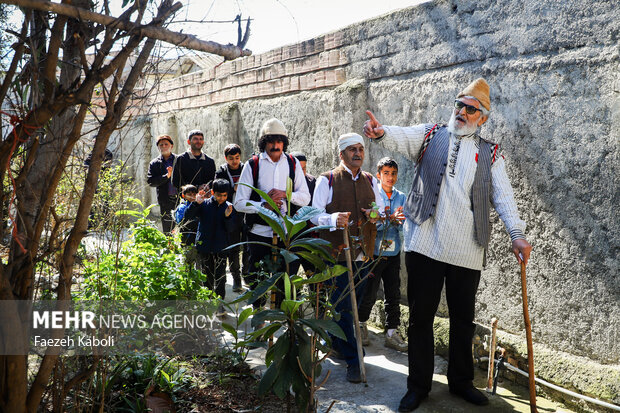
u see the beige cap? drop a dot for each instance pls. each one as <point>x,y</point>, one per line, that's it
<point>479,89</point>
<point>273,127</point>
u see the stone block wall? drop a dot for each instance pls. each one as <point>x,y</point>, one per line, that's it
<point>554,71</point>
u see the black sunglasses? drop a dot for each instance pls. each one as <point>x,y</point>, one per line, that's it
<point>468,108</point>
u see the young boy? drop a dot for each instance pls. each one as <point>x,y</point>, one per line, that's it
<point>387,250</point>
<point>231,171</point>
<point>188,227</point>
<point>216,218</point>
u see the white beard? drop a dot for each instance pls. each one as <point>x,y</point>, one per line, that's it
<point>460,130</point>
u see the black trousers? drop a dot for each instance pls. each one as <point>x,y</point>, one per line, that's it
<point>167,219</point>
<point>426,280</point>
<point>260,253</point>
<point>388,270</point>
<point>213,266</point>
<point>238,258</point>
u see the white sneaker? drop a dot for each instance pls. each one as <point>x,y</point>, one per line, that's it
<point>396,342</point>
<point>365,336</point>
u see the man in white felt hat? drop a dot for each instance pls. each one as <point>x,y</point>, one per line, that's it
<point>446,233</point>
<point>347,194</point>
<point>269,172</point>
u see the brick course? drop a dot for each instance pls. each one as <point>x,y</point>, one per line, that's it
<point>309,65</point>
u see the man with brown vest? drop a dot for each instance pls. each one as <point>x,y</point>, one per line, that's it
<point>458,176</point>
<point>347,194</point>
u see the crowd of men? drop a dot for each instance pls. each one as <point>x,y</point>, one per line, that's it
<point>444,223</point>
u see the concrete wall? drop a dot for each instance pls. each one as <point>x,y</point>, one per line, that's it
<point>553,67</point>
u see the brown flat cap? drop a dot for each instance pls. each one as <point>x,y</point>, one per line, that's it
<point>164,138</point>
<point>479,89</point>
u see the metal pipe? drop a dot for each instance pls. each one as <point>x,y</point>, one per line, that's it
<point>589,399</point>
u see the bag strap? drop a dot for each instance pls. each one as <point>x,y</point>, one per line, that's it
<point>427,140</point>
<point>291,166</point>
<point>254,164</point>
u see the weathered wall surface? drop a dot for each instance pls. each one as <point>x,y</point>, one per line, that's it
<point>553,67</point>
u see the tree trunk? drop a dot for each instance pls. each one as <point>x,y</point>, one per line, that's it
<point>44,158</point>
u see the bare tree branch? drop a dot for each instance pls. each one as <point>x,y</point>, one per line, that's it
<point>180,39</point>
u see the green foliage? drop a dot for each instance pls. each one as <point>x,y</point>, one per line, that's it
<point>128,379</point>
<point>294,360</point>
<point>149,266</point>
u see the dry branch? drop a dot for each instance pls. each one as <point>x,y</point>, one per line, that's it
<point>179,39</point>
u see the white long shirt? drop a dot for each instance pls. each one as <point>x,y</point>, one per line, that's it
<point>271,175</point>
<point>449,235</point>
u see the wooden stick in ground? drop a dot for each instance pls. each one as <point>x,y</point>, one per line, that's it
<point>528,335</point>
<point>272,300</point>
<point>356,318</point>
<point>492,355</point>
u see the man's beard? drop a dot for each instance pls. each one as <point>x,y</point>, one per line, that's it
<point>458,129</point>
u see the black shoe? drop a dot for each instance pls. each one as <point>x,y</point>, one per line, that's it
<point>410,401</point>
<point>353,373</point>
<point>334,354</point>
<point>472,395</point>
<point>237,288</point>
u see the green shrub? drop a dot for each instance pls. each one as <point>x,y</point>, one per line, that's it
<point>148,266</point>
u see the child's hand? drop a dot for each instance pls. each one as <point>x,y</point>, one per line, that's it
<point>228,210</point>
<point>169,171</point>
<point>200,198</point>
<point>398,215</point>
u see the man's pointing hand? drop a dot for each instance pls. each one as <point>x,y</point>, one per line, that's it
<point>372,127</point>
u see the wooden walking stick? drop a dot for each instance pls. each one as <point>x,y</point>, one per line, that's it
<point>528,335</point>
<point>492,355</point>
<point>356,317</point>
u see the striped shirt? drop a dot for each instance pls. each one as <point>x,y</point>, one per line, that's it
<point>449,235</point>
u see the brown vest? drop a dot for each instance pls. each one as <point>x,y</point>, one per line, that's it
<point>351,196</point>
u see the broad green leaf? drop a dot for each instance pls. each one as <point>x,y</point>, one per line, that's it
<point>272,220</point>
<point>297,226</point>
<point>328,273</point>
<point>263,195</point>
<point>289,192</point>
<point>278,350</point>
<point>263,287</point>
<point>287,287</point>
<point>324,325</point>
<point>269,378</point>
<point>244,315</point>
<point>283,381</point>
<point>290,306</point>
<point>306,213</point>
<point>266,332</point>
<point>314,260</point>
<point>230,329</point>
<point>288,256</point>
<point>315,242</point>
<point>267,315</point>
<point>314,229</point>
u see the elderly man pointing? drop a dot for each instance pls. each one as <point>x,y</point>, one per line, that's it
<point>347,194</point>
<point>458,176</point>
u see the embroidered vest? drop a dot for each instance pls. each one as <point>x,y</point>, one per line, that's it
<point>351,196</point>
<point>422,199</point>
